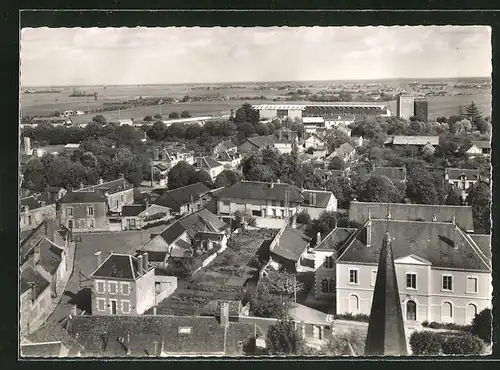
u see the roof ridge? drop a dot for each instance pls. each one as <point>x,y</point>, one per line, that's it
<point>413,204</point>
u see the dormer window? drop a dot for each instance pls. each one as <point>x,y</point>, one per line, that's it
<point>184,330</point>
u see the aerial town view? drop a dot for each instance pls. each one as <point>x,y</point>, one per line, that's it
<point>240,192</point>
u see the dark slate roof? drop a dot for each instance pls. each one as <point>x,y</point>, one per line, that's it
<point>161,167</point>
<point>50,256</point>
<point>202,220</point>
<point>226,145</point>
<point>53,331</point>
<point>176,198</point>
<point>83,197</point>
<point>482,144</point>
<point>206,337</point>
<point>47,349</point>
<point>207,162</point>
<point>291,244</point>
<point>335,239</point>
<point>30,275</point>
<point>386,331</point>
<point>110,187</point>
<point>133,210</point>
<point>261,191</point>
<point>432,241</point>
<point>322,198</point>
<point>483,242</point>
<point>262,141</point>
<point>393,173</point>
<point>456,173</point>
<point>358,212</point>
<point>119,266</point>
<point>31,202</point>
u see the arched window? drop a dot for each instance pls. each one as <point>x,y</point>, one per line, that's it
<point>446,311</point>
<point>471,312</point>
<point>324,285</point>
<point>353,303</point>
<point>411,310</point>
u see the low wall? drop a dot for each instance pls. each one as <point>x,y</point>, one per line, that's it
<point>210,258</point>
<point>168,285</point>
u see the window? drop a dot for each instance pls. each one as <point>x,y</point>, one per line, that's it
<point>471,284</point>
<point>274,203</point>
<point>125,306</point>
<point>256,213</point>
<point>353,276</point>
<point>282,204</point>
<point>91,223</point>
<point>329,262</point>
<point>90,211</point>
<point>100,286</point>
<point>447,283</point>
<point>83,224</point>
<point>282,213</point>
<point>411,310</point>
<point>446,310</point>
<point>328,285</point>
<point>411,281</point>
<point>101,304</point>
<point>373,277</point>
<point>471,312</point>
<point>125,289</point>
<point>274,212</point>
<point>112,287</point>
<point>353,303</point>
<point>131,222</point>
<point>70,224</point>
<point>226,203</point>
<point>69,211</point>
<point>184,330</point>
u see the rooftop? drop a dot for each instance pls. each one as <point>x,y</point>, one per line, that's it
<point>316,198</point>
<point>457,173</point>
<point>482,144</point>
<point>29,276</point>
<point>110,187</point>
<point>83,197</point>
<point>291,244</point>
<point>415,140</point>
<point>334,240</point>
<point>261,191</point>
<point>393,173</point>
<point>119,266</point>
<point>262,141</point>
<point>176,198</point>
<point>133,210</point>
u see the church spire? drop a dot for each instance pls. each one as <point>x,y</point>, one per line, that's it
<point>386,332</point>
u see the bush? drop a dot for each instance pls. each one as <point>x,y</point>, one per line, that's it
<point>466,344</point>
<point>335,346</point>
<point>349,316</point>
<point>481,325</point>
<point>303,218</point>
<point>447,326</point>
<point>424,343</point>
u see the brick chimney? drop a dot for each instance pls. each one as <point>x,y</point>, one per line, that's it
<point>224,314</point>
<point>98,256</point>
<point>145,259</point>
<point>140,265</point>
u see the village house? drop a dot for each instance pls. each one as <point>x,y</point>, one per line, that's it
<point>172,155</point>
<point>85,211</point>
<point>35,209</point>
<point>285,140</point>
<point>230,160</point>
<point>326,175</point>
<point>395,174</point>
<point>253,144</point>
<point>345,152</point>
<point>426,144</point>
<point>225,147</point>
<point>118,193</point>
<point>162,336</point>
<point>186,199</point>
<point>200,230</point>
<point>316,144</point>
<point>137,216</point>
<point>443,274</point>
<point>287,249</point>
<point>209,165</point>
<point>318,201</point>
<point>479,148</point>
<point>162,172</point>
<point>461,179</point>
<point>35,297</point>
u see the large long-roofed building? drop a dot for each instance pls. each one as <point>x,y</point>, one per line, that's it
<point>358,109</point>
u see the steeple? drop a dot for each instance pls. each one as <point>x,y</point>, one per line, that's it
<point>386,332</point>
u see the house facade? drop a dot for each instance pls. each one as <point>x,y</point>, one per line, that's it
<point>254,144</point>
<point>123,285</point>
<point>287,249</point>
<point>345,152</point>
<point>118,193</point>
<point>461,179</point>
<point>318,201</point>
<point>35,297</point>
<point>34,210</point>
<point>184,200</point>
<point>209,165</point>
<point>84,211</point>
<point>137,216</point>
<point>479,148</point>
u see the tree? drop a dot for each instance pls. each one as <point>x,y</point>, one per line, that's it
<point>472,113</point>
<point>261,129</point>
<point>246,114</point>
<point>185,114</point>
<point>173,115</point>
<point>193,131</point>
<point>157,131</point>
<point>480,199</point>
<point>379,189</point>
<point>283,339</point>
<point>180,175</point>
<point>335,138</point>
<point>34,176</point>
<point>227,178</point>
<point>265,304</point>
<point>303,218</point>
<point>99,119</point>
<point>336,164</point>
<point>186,99</point>
<point>245,130</point>
<point>325,223</point>
<point>481,325</point>
<point>200,176</point>
<point>148,119</point>
<point>483,126</point>
<point>423,187</point>
<point>453,199</point>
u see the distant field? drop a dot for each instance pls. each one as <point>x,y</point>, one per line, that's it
<point>45,104</point>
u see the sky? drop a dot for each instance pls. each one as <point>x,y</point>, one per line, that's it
<point>127,56</point>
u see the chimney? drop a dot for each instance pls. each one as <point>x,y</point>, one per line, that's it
<point>311,199</point>
<point>146,261</point>
<point>101,181</point>
<point>224,314</point>
<point>140,265</point>
<point>369,233</point>
<point>27,145</point>
<point>98,258</point>
<point>314,199</point>
<point>318,238</point>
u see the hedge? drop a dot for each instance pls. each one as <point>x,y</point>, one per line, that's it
<point>425,343</point>
<point>349,316</point>
<point>447,326</point>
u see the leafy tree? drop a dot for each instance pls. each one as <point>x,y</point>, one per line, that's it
<point>303,218</point>
<point>261,129</point>
<point>246,114</point>
<point>193,131</point>
<point>177,130</point>
<point>180,175</point>
<point>481,325</point>
<point>453,199</point>
<point>483,126</point>
<point>245,130</point>
<point>335,138</point>
<point>157,131</point>
<point>325,223</point>
<point>185,114</point>
<point>283,339</point>
<point>282,283</point>
<point>201,176</point>
<point>227,178</point>
<point>185,99</point>
<point>380,189</point>
<point>425,343</point>
<point>99,119</point>
<point>423,187</point>
<point>173,115</point>
<point>335,346</point>
<point>336,164</point>
<point>148,119</point>
<point>34,176</point>
<point>480,199</point>
<point>265,304</point>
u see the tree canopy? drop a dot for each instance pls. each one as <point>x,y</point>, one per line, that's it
<point>283,339</point>
<point>380,189</point>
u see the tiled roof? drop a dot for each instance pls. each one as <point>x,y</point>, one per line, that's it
<point>53,331</point>
<point>482,144</point>
<point>483,242</point>
<point>133,210</point>
<point>415,140</point>
<point>437,242</point>
<point>176,198</point>
<point>226,145</point>
<point>262,141</point>
<point>206,335</point>
<point>83,197</point>
<point>261,191</point>
<point>341,151</point>
<point>358,212</point>
<point>314,135</point>
<point>291,244</point>
<point>335,239</point>
<point>456,173</point>
<point>50,256</point>
<point>118,266</point>
<point>30,275</point>
<point>322,198</point>
<point>161,167</point>
<point>202,220</point>
<point>110,187</point>
<point>207,163</point>
<point>393,173</point>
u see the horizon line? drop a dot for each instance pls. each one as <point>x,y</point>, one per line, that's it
<point>264,82</point>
